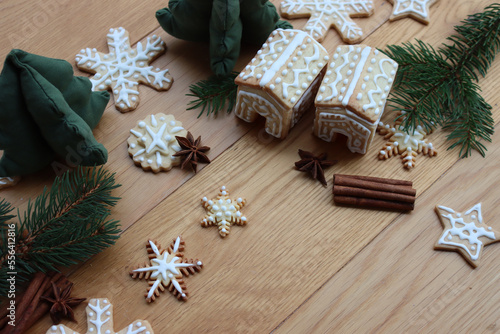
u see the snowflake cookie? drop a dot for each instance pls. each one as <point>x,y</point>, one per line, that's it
<point>405,144</point>
<point>152,142</point>
<point>100,321</point>
<point>329,13</point>
<point>166,269</point>
<point>416,9</point>
<point>465,232</point>
<point>124,68</point>
<point>223,212</point>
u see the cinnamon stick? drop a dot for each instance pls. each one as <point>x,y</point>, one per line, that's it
<point>378,179</point>
<point>39,279</point>
<point>21,324</point>
<point>373,203</point>
<point>40,308</point>
<point>373,192</point>
<point>373,184</point>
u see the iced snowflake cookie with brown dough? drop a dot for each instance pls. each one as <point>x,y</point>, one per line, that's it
<point>152,142</point>
<point>124,68</point>
<point>223,212</point>
<point>100,321</point>
<point>166,269</point>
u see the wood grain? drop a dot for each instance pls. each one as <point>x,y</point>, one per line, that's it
<point>301,264</point>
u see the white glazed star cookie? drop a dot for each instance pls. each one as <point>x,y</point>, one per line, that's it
<point>465,232</point>
<point>415,9</point>
<point>152,142</point>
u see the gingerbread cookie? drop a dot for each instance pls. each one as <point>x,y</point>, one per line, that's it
<point>281,81</point>
<point>352,95</point>
<point>152,142</point>
<point>406,143</point>
<point>465,232</point>
<point>6,182</point>
<point>166,269</point>
<point>223,212</point>
<point>329,13</point>
<point>100,321</point>
<point>416,9</point>
<point>124,68</point>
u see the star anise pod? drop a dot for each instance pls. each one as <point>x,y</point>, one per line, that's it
<point>314,164</point>
<point>191,152</point>
<point>62,303</point>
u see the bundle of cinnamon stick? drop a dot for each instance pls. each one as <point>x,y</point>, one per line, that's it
<point>29,306</point>
<point>374,192</point>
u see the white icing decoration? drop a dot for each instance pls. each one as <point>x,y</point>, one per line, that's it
<point>278,63</point>
<point>308,61</point>
<point>120,66</point>
<point>338,75</point>
<point>162,265</point>
<point>357,73</point>
<point>379,79</point>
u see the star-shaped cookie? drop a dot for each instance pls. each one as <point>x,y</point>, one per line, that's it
<point>465,232</point>
<point>416,9</point>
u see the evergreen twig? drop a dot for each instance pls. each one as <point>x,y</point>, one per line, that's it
<point>214,94</point>
<point>64,225</point>
<point>439,87</point>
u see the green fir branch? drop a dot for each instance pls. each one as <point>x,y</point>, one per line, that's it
<point>439,87</point>
<point>214,94</point>
<point>5,209</point>
<point>64,225</point>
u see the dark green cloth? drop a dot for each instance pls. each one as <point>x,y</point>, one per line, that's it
<point>224,23</point>
<point>46,113</point>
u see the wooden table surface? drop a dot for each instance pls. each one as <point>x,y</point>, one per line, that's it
<point>302,264</point>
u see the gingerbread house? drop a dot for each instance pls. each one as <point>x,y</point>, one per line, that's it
<point>280,83</point>
<point>352,95</point>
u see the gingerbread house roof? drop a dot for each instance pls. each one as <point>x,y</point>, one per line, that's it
<point>285,66</point>
<point>358,78</point>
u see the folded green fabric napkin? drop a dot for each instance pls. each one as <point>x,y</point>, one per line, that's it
<point>46,113</point>
<point>224,23</point>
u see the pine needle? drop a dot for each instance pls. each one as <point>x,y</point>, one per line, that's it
<point>439,87</point>
<point>63,226</point>
<point>214,94</point>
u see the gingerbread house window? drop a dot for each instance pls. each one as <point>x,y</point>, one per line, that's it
<point>280,83</point>
<point>352,95</point>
